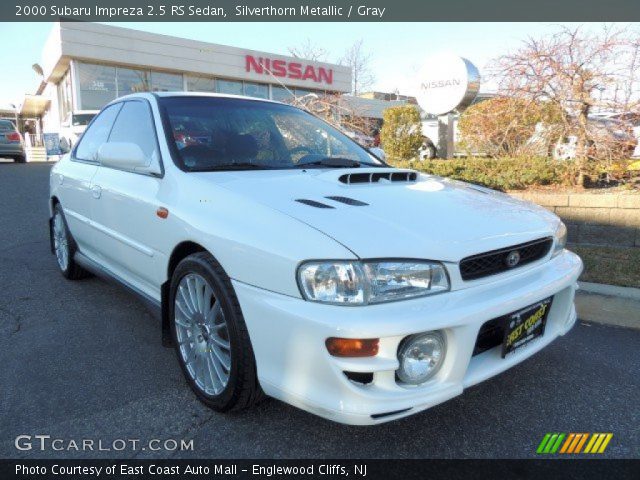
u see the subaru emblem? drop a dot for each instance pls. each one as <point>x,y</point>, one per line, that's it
<point>513,259</point>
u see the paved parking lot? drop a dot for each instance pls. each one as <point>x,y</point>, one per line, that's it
<point>84,360</point>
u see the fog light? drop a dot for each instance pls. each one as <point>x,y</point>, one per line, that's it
<point>421,357</point>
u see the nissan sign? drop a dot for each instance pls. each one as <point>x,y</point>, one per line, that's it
<point>447,83</point>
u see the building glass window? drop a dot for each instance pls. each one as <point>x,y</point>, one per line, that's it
<point>259,90</point>
<point>200,84</point>
<point>97,85</point>
<point>64,96</point>
<point>281,94</point>
<point>229,86</point>
<point>166,82</point>
<point>301,92</point>
<point>132,81</point>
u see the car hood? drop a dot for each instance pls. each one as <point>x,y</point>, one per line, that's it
<point>419,217</point>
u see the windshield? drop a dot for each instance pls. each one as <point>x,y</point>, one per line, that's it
<point>82,119</point>
<point>209,133</point>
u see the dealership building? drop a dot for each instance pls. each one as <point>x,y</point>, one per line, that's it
<point>86,65</point>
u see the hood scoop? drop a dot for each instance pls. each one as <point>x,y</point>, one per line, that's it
<point>348,201</point>
<point>389,176</point>
<point>313,203</point>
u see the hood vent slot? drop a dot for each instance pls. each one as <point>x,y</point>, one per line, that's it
<point>378,177</point>
<point>313,203</point>
<point>348,201</point>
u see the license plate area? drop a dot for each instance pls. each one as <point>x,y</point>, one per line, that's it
<point>525,325</point>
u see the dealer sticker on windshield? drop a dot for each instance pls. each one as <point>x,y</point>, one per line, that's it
<point>525,325</point>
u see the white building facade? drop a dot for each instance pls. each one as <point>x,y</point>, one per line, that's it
<point>87,65</point>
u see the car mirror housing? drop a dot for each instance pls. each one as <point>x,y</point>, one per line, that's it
<point>125,156</point>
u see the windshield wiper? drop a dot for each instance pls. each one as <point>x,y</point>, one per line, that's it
<point>333,162</point>
<point>232,166</point>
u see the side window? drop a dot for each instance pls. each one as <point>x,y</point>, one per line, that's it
<point>97,133</point>
<point>134,125</point>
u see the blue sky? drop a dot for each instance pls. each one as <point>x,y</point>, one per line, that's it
<point>398,49</point>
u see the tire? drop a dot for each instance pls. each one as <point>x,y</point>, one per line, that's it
<point>19,159</point>
<point>65,247</point>
<point>210,335</point>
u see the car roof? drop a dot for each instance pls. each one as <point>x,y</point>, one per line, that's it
<point>149,95</point>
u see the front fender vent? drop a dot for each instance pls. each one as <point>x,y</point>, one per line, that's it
<point>348,201</point>
<point>378,177</point>
<point>313,203</point>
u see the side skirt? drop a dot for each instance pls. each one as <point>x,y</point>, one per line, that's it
<point>153,305</point>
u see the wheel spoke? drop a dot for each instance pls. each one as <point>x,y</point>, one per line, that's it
<point>213,314</point>
<point>220,342</point>
<point>183,323</point>
<point>185,298</point>
<point>222,378</point>
<point>216,381</point>
<point>222,357</point>
<point>182,310</point>
<point>192,293</point>
<point>190,355</point>
<point>208,296</point>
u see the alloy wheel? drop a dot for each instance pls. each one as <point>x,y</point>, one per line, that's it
<point>202,334</point>
<point>60,242</point>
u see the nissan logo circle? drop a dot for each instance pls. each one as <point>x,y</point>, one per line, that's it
<point>447,83</point>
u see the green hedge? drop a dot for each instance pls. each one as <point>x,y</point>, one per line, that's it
<point>497,173</point>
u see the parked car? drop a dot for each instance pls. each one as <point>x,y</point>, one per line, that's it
<point>11,142</point>
<point>356,291</point>
<point>73,126</point>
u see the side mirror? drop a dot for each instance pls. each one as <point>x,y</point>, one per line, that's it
<point>122,155</point>
<point>378,152</point>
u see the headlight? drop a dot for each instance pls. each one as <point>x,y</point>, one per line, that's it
<point>362,283</point>
<point>421,357</point>
<point>560,239</point>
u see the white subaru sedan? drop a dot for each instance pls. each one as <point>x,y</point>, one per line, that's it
<point>285,259</point>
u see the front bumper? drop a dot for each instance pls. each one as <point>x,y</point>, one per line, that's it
<point>288,336</point>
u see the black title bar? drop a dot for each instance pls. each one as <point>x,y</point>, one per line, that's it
<point>326,469</point>
<point>319,10</point>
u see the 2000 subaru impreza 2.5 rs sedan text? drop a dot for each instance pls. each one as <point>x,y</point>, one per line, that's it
<point>286,260</point>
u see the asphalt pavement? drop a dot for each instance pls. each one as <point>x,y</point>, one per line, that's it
<point>83,360</point>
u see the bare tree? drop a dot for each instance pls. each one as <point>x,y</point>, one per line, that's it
<point>581,73</point>
<point>359,60</point>
<point>309,51</point>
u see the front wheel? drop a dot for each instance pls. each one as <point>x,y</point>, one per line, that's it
<point>210,336</point>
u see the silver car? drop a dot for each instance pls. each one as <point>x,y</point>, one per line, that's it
<point>11,143</point>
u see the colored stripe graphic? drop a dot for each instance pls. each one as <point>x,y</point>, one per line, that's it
<point>583,439</point>
<point>543,443</point>
<point>605,442</point>
<point>567,443</point>
<point>573,443</point>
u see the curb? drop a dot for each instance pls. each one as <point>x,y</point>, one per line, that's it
<point>610,290</point>
<point>608,305</point>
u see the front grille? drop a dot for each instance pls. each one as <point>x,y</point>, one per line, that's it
<point>490,335</point>
<point>496,261</point>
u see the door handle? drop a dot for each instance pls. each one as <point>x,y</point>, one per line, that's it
<point>96,191</point>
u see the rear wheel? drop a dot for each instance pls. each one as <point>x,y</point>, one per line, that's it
<point>64,246</point>
<point>210,336</point>
<point>19,159</point>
